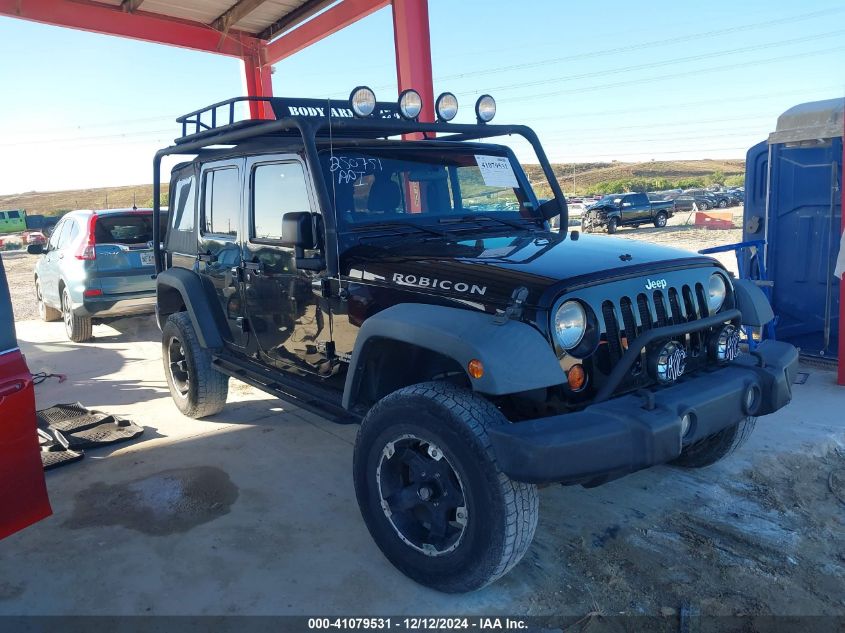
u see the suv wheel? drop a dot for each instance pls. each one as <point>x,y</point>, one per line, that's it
<point>196,387</point>
<point>660,220</point>
<point>723,204</point>
<point>711,449</point>
<point>45,312</point>
<point>612,225</point>
<point>431,493</point>
<point>78,328</point>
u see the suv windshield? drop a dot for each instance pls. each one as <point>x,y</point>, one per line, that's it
<point>390,184</point>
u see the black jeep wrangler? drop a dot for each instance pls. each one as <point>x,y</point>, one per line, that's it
<point>402,275</point>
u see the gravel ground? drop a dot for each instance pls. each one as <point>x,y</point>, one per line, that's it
<point>19,267</point>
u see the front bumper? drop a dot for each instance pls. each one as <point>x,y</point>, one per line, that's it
<point>632,432</point>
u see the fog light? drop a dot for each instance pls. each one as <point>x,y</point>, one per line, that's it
<point>668,362</point>
<point>686,424</point>
<point>751,401</point>
<point>475,368</point>
<point>724,345</point>
<point>576,377</point>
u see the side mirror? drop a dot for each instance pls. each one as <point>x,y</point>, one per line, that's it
<point>35,249</point>
<point>298,230</point>
<point>550,209</point>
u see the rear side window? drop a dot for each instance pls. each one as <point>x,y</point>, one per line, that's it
<point>221,202</point>
<point>124,229</point>
<point>14,215</point>
<point>182,204</point>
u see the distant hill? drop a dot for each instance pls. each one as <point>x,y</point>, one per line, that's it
<point>587,177</point>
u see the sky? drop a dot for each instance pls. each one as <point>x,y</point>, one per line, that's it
<point>598,81</point>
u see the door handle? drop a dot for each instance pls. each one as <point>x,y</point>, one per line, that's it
<point>11,388</point>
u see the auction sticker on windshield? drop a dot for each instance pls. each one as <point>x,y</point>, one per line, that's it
<point>496,171</point>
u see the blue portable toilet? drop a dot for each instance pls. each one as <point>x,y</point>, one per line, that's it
<point>793,201</point>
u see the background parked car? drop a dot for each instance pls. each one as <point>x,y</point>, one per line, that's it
<point>96,264</point>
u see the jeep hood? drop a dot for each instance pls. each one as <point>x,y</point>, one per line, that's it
<point>489,267</point>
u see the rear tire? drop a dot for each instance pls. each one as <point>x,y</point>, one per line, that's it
<point>723,204</point>
<point>195,386</point>
<point>612,226</point>
<point>660,220</point>
<point>431,492</point>
<point>45,312</point>
<point>711,449</point>
<point>78,328</point>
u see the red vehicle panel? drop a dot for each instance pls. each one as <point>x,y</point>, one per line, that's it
<point>23,492</point>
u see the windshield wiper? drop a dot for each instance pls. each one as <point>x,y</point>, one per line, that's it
<point>403,225</point>
<point>490,218</point>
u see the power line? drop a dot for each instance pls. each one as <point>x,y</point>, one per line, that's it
<point>650,44</point>
<point>668,62</point>
<point>618,84</point>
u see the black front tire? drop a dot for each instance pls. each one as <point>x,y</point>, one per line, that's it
<point>494,523</point>
<point>78,328</point>
<point>660,220</point>
<point>612,226</point>
<point>713,448</point>
<point>196,387</point>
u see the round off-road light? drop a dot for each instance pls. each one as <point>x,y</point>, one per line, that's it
<point>485,108</point>
<point>410,104</point>
<point>446,106</point>
<point>668,362</point>
<point>716,292</point>
<point>362,100</point>
<point>724,345</point>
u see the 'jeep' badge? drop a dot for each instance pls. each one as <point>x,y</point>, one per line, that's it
<point>653,284</point>
<point>669,362</point>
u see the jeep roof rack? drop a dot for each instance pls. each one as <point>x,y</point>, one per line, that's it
<point>313,119</point>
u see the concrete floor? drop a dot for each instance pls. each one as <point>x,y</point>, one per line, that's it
<point>253,511</point>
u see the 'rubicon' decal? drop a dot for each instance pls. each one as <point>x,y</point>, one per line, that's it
<point>442,284</point>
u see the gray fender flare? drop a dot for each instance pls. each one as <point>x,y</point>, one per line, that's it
<point>203,310</point>
<point>516,357</point>
<point>752,302</point>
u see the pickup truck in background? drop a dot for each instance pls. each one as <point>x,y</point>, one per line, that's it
<point>626,209</point>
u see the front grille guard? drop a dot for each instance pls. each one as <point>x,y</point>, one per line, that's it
<point>635,348</point>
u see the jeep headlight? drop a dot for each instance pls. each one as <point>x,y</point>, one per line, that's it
<point>570,324</point>
<point>716,292</point>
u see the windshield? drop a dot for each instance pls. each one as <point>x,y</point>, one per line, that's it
<point>394,184</point>
<point>611,199</point>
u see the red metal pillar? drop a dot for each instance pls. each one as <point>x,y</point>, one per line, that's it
<point>841,379</point>
<point>412,40</point>
<point>258,84</point>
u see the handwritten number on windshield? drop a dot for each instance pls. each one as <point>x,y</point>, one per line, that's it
<point>353,169</point>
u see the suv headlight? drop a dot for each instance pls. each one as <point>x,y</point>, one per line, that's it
<point>716,292</point>
<point>570,324</point>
